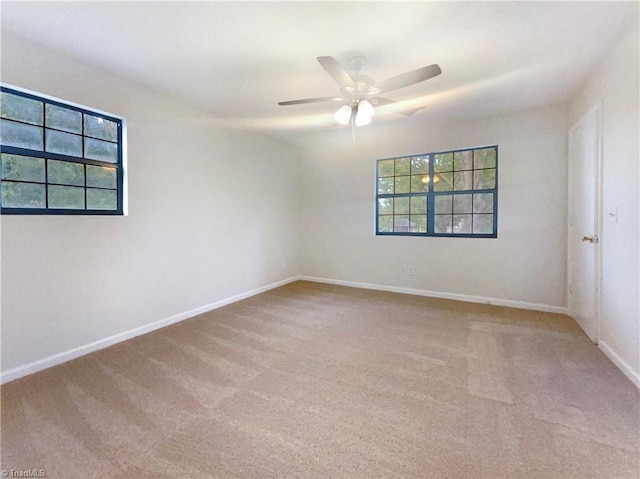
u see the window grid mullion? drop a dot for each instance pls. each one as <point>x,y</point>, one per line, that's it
<point>52,183</point>
<point>84,168</point>
<point>46,183</point>
<point>14,150</point>
<point>431,217</point>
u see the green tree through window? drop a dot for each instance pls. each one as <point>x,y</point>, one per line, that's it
<point>451,193</point>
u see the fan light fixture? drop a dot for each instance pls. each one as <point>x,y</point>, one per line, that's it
<point>363,113</point>
<point>343,115</point>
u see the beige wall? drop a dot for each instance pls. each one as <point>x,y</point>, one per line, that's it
<point>615,86</point>
<point>204,204</point>
<point>525,265</point>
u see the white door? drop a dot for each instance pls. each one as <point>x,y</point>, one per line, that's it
<point>584,213</point>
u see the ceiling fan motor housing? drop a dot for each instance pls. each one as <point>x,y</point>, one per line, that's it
<point>360,89</point>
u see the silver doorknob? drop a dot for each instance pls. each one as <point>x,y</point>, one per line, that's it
<point>590,239</point>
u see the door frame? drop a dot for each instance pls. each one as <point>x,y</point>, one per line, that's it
<point>597,187</point>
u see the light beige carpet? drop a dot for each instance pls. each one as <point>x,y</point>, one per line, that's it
<point>319,381</point>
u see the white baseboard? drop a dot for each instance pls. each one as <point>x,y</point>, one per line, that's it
<point>621,364</point>
<point>74,353</point>
<point>436,294</point>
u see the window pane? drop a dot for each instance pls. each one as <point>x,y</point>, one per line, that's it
<point>100,128</point>
<point>419,183</point>
<point>462,204</point>
<point>403,166</point>
<point>19,108</point>
<point>385,224</point>
<point>418,224</point>
<point>385,186</point>
<point>462,180</point>
<point>444,204</point>
<point>419,165</point>
<point>462,224</point>
<point>67,197</point>
<point>483,224</point>
<point>26,168</point>
<point>101,199</point>
<point>418,205</point>
<point>65,173</point>
<point>100,150</point>
<point>64,143</point>
<point>401,224</point>
<point>484,179</point>
<point>443,162</point>
<point>63,119</point>
<point>443,182</point>
<point>385,167</point>
<point>20,135</point>
<point>443,224</point>
<point>22,195</point>
<point>402,184</point>
<point>385,206</point>
<point>401,206</point>
<point>485,158</point>
<point>463,160</point>
<point>483,203</point>
<point>101,176</point>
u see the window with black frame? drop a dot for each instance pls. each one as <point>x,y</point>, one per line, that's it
<point>58,158</point>
<point>450,193</point>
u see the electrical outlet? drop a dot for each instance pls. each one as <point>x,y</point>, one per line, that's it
<point>410,270</point>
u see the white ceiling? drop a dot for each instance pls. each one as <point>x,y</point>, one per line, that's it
<point>236,60</point>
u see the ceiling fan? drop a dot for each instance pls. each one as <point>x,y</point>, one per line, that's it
<point>359,93</point>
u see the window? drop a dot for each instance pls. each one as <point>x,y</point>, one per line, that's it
<point>58,158</point>
<point>450,193</point>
